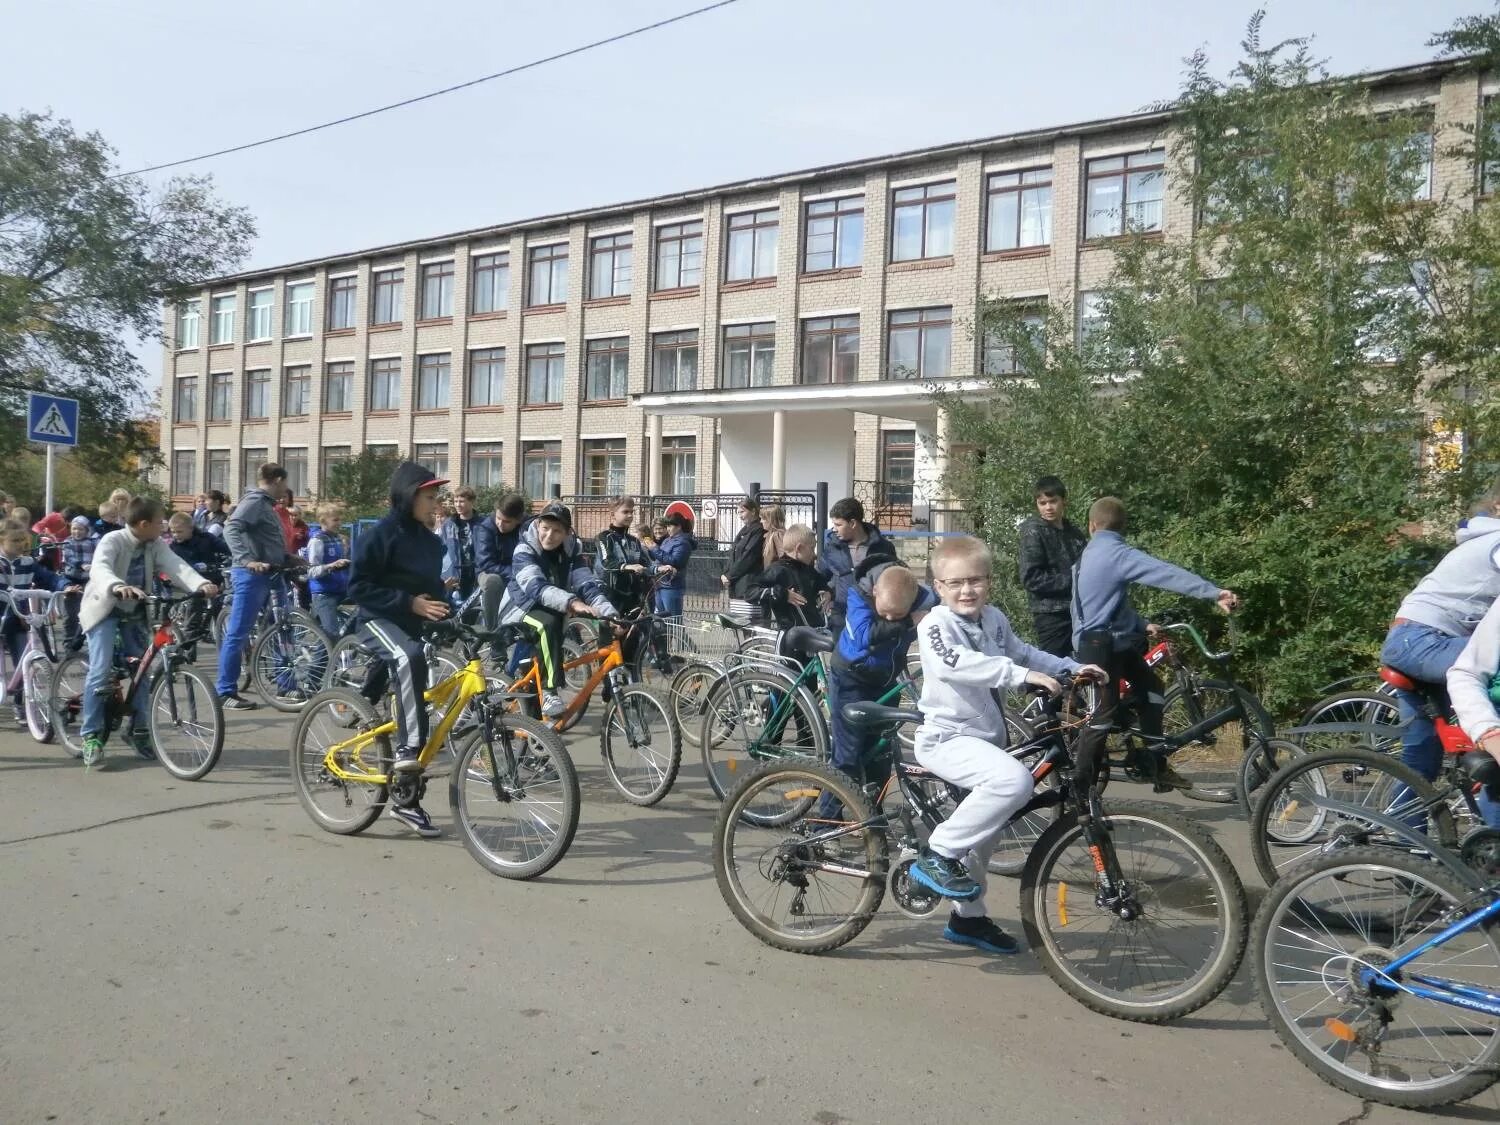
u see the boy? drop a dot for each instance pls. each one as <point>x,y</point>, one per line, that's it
<point>205,553</point>
<point>970,653</point>
<point>78,559</point>
<point>328,570</point>
<point>791,588</point>
<point>849,542</point>
<point>494,548</point>
<point>20,571</point>
<point>458,534</point>
<point>1107,631</point>
<point>625,571</point>
<point>1050,548</point>
<point>397,582</point>
<point>125,561</point>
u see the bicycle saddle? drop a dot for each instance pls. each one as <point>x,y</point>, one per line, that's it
<point>873,714</point>
<point>804,641</point>
<point>1398,679</point>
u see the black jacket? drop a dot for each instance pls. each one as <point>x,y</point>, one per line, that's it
<point>615,549</point>
<point>770,587</point>
<point>208,554</point>
<point>493,548</point>
<point>398,558</point>
<point>1048,555</point>
<point>745,560</point>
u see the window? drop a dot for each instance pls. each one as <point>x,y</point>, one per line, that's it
<point>549,275</point>
<point>1019,210</point>
<point>835,235</point>
<point>184,471</point>
<point>333,455</point>
<point>221,326</point>
<point>1124,194</point>
<point>389,286</point>
<point>544,373</point>
<point>922,226</point>
<point>483,464</point>
<point>1399,301</point>
<point>1488,141</point>
<point>679,255</point>
<point>487,377</point>
<point>919,344</point>
<point>752,245</point>
<point>262,302</point>
<point>338,387</point>
<point>432,381</point>
<point>541,468</point>
<point>294,461</point>
<point>830,350</point>
<point>187,323</point>
<point>898,464</point>
<point>432,456</point>
<point>299,302</point>
<point>674,361</point>
<point>491,288</point>
<point>679,465</point>
<point>220,385</point>
<point>216,471</point>
<point>185,401</point>
<point>342,292</point>
<point>251,461</point>
<point>608,370</point>
<point>385,384</point>
<point>437,291</point>
<point>296,392</point>
<point>603,467</point>
<point>749,355</point>
<point>609,266</point>
<point>1091,315</point>
<point>257,395</point>
<point>1411,161</point>
<point>1000,353</point>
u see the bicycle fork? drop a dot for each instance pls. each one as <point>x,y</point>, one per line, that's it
<point>1111,891</point>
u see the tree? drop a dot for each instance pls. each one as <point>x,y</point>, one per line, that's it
<point>1258,391</point>
<point>362,484</point>
<point>86,257</point>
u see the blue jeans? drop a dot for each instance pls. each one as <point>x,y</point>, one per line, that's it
<point>101,640</point>
<point>852,745</point>
<point>669,602</point>
<point>250,594</point>
<point>325,608</point>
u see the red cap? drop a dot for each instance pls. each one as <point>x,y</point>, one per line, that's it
<point>435,482</point>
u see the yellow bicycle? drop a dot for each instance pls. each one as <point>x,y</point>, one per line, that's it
<point>512,786</point>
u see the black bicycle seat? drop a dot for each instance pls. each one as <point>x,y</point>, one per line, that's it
<point>804,641</point>
<point>876,714</point>
<point>726,622</point>
<point>1482,767</point>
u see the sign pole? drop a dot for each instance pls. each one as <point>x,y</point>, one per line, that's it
<point>47,504</point>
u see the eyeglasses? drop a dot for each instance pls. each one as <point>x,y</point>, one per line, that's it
<point>979,582</point>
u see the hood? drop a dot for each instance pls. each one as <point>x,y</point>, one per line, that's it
<point>51,524</point>
<point>408,478</point>
<point>1475,526</point>
<point>868,572</point>
<point>529,537</point>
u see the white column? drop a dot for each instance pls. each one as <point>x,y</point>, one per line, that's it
<point>778,450</point>
<point>653,455</point>
<point>940,469</point>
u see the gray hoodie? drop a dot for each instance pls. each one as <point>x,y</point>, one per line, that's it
<point>253,531</point>
<point>1460,589</point>
<point>1101,582</point>
<point>1472,674</point>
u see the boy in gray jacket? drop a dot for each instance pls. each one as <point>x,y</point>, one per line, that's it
<point>1474,687</point>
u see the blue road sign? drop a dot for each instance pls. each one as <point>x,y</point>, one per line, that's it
<point>51,419</point>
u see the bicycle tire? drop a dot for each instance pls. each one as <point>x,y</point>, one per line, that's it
<point>289,663</point>
<point>687,692</point>
<point>1374,711</point>
<point>1213,769</point>
<point>332,716</point>
<point>197,702</point>
<point>1291,901</point>
<point>639,768</point>
<point>743,701</point>
<point>1014,842</point>
<point>348,664</point>
<point>780,782</point>
<point>1362,778</point>
<point>1207,873</point>
<point>470,781</point>
<point>1261,763</point>
<point>36,692</point>
<point>66,702</point>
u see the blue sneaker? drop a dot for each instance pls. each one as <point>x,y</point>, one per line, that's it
<point>944,876</point>
<point>981,933</point>
<point>408,760</point>
<point>415,817</point>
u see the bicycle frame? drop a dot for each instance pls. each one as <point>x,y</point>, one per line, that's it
<point>1454,993</point>
<point>608,658</point>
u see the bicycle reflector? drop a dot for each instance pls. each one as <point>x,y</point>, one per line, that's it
<point>1062,903</point>
<point>1340,1030</point>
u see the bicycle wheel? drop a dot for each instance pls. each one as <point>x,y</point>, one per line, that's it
<point>65,702</point>
<point>36,694</point>
<point>1318,935</point>
<point>289,662</point>
<point>640,744</point>
<point>1259,765</point>
<point>687,694</point>
<point>336,804</point>
<point>583,632</point>
<point>1354,718</point>
<point>186,721</point>
<point>789,889</point>
<point>756,717</point>
<point>516,821</point>
<point>1016,839</point>
<point>1178,948</point>
<point>348,665</point>
<point>1289,824</point>
<point>1212,762</point>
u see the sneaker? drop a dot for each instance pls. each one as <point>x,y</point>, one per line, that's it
<point>981,933</point>
<point>415,818</point>
<point>20,714</point>
<point>141,740</point>
<point>552,705</point>
<point>1168,778</point>
<point>237,702</point>
<point>945,876</point>
<point>408,760</point>
<point>93,751</point>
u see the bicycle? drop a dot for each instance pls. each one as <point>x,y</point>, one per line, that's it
<point>513,789</point>
<point>184,718</point>
<point>690,683</point>
<point>33,673</point>
<point>288,653</point>
<point>1105,892</point>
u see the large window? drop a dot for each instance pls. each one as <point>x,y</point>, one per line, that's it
<point>188,315</point>
<point>922,222</point>
<point>221,328</point>
<point>296,392</point>
<point>548,284</point>
<point>752,239</point>
<point>437,290</point>
<point>919,344</point>
<point>432,381</point>
<point>1000,356</point>
<point>541,468</point>
<point>388,285</point>
<point>385,384</point>
<point>220,390</point>
<point>679,255</point>
<point>749,355</point>
<point>483,464</point>
<point>835,235</point>
<point>603,467</point>
<point>1412,160</point>
<point>830,350</point>
<point>185,401</point>
<point>342,293</point>
<point>674,361</point>
<point>487,377</point>
<point>1019,210</point>
<point>333,455</point>
<point>299,303</point>
<point>294,461</point>
<point>544,373</point>
<point>679,466</point>
<point>184,471</point>
<point>338,387</point>
<point>216,471</point>
<point>898,464</point>
<point>257,395</point>
<point>1124,194</point>
<point>432,456</point>
<point>1488,140</point>
<point>609,266</point>
<point>1091,315</point>
<point>491,285</point>
<point>262,305</point>
<point>250,462</point>
<point>607,377</point>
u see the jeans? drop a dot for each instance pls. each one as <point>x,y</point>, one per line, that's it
<point>250,594</point>
<point>852,745</point>
<point>13,636</point>
<point>101,641</point>
<point>669,602</point>
<point>1145,691</point>
<point>325,608</point>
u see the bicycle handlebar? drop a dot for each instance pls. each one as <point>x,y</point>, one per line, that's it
<point>1197,637</point>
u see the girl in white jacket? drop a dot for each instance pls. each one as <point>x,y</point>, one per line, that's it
<point>1472,687</point>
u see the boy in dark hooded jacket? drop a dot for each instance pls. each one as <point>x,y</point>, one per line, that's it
<point>791,588</point>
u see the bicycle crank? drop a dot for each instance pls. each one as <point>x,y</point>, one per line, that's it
<point>408,789</point>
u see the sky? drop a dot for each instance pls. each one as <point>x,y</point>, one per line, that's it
<point>760,87</point>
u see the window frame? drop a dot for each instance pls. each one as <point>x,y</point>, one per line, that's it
<point>906,448</point>
<point>288,382</point>
<point>947,194</point>
<point>388,370</point>
<point>443,274</point>
<point>926,321</point>
<point>546,353</point>
<point>738,226</point>
<point>328,457</point>
<point>216,319</point>
<point>256,310</point>
<point>753,339</point>
<point>676,343</point>
<point>491,451</point>
<point>616,351</point>
<point>548,451</point>
<point>554,256</point>
<point>679,235</point>
<point>1123,173</point>
<point>989,347</point>
<point>671,453</point>
<point>190,384</point>
<point>257,385</point>
<point>299,324</point>
<point>251,459</point>
<point>387,286</point>
<point>619,276</point>
<point>294,460</point>
<point>189,312</point>
<point>490,358</point>
<point>495,286</point>
<point>220,389</point>
<point>813,330</point>
<point>178,486</point>
<point>994,192</point>
<point>432,456</point>
<point>343,298</point>
<point>211,458</point>
<point>429,366</point>
<point>344,377</point>
<point>838,214</point>
<point>613,476</point>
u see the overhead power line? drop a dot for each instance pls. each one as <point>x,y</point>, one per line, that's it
<point>436,93</point>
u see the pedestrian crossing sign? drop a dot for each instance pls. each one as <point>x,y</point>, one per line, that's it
<point>51,420</point>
